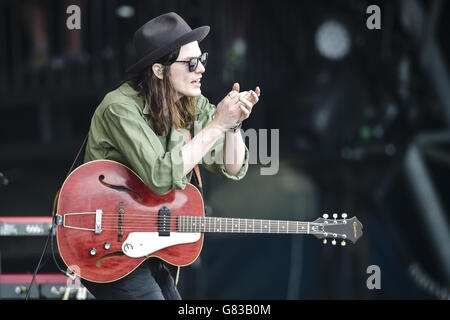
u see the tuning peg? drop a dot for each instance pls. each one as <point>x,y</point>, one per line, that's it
<point>324,241</point>
<point>343,243</point>
<point>333,242</point>
<point>325,216</point>
<point>335,215</point>
<point>344,216</point>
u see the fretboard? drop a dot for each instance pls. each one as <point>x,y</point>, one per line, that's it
<point>237,225</point>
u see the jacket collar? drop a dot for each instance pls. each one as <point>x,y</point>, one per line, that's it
<point>128,90</point>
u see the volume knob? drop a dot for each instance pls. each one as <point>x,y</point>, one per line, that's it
<point>92,251</point>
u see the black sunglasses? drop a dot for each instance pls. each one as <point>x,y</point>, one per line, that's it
<point>193,63</point>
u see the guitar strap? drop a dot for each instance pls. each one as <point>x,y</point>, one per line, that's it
<point>197,176</point>
<point>70,170</point>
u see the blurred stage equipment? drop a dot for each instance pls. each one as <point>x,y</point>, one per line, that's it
<point>333,40</point>
<point>46,286</point>
<point>125,11</point>
<point>433,214</point>
<point>423,30</point>
<point>365,116</point>
<point>25,226</point>
<point>26,233</point>
<point>3,180</point>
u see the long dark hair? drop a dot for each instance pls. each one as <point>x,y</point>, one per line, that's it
<point>155,92</point>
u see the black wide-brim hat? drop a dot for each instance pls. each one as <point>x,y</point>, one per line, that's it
<point>160,36</point>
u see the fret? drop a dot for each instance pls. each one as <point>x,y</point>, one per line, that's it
<point>283,226</point>
<point>264,226</point>
<point>221,224</point>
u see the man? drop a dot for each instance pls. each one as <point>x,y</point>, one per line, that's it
<point>140,124</point>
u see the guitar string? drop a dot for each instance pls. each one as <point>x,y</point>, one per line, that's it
<point>142,218</point>
<point>174,229</point>
<point>206,225</point>
<point>155,230</point>
<point>228,225</point>
<point>190,226</point>
<point>204,220</point>
<point>228,220</point>
<point>215,223</point>
<point>149,216</point>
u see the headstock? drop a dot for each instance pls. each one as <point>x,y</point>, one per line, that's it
<point>337,229</point>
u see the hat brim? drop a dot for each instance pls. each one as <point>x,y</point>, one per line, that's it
<point>197,34</point>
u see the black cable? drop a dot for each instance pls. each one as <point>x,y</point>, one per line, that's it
<point>39,263</point>
<point>54,258</point>
<point>50,236</point>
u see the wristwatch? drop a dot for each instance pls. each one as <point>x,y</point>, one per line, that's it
<point>236,128</point>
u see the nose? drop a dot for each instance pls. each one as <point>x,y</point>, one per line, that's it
<point>200,67</point>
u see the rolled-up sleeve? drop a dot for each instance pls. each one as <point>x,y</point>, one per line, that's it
<point>132,137</point>
<point>205,115</point>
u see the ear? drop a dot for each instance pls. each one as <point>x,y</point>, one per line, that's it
<point>158,70</point>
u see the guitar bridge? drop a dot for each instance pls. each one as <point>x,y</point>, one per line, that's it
<point>120,222</point>
<point>97,225</point>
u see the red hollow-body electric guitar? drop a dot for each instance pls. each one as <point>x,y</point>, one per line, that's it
<point>108,222</point>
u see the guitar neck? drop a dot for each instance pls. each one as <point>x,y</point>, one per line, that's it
<point>237,225</point>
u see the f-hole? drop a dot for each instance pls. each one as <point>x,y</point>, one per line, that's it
<point>98,263</point>
<point>101,178</point>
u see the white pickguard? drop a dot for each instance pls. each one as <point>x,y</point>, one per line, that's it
<point>141,244</point>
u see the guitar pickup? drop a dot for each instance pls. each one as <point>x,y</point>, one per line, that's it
<point>120,222</point>
<point>164,222</point>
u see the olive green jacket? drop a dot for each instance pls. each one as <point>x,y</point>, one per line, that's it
<point>122,131</point>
